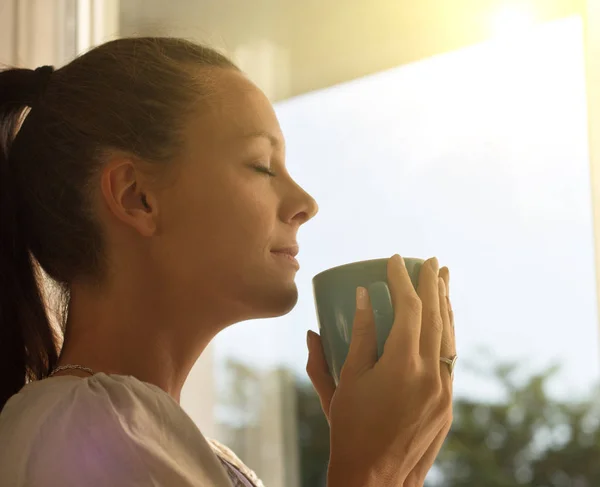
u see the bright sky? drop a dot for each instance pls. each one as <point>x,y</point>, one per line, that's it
<point>478,157</point>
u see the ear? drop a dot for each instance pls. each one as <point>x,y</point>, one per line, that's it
<point>128,197</point>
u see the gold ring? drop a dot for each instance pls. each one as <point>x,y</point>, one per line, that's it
<point>451,362</point>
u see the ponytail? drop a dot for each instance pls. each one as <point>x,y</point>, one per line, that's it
<point>27,343</point>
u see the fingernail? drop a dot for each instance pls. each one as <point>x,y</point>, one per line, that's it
<point>442,286</point>
<point>362,298</point>
<point>308,339</point>
<point>399,260</point>
<point>435,264</point>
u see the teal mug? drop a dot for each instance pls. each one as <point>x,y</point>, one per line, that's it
<point>335,301</point>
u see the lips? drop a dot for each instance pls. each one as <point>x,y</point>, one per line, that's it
<point>292,250</point>
<point>287,255</point>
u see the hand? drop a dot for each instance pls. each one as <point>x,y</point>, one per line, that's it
<point>385,414</point>
<point>416,478</point>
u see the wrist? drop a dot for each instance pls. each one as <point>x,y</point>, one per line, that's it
<point>350,474</point>
<point>342,474</point>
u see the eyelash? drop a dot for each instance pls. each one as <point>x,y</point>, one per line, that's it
<point>265,170</point>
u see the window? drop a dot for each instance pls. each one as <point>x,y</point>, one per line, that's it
<point>479,157</point>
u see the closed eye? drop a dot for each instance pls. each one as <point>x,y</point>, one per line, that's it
<point>264,170</point>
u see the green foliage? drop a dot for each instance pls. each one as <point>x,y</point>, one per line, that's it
<point>313,434</point>
<point>529,439</point>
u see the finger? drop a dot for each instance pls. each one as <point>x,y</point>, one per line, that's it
<point>403,339</point>
<point>447,346</point>
<point>318,371</point>
<point>431,323</point>
<point>445,274</point>
<point>362,354</point>
<point>450,313</point>
<point>447,333</point>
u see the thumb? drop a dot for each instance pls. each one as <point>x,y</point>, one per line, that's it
<point>318,371</point>
<point>362,354</point>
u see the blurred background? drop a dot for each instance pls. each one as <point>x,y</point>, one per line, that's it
<point>465,129</point>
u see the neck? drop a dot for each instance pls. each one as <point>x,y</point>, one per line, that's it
<point>136,330</point>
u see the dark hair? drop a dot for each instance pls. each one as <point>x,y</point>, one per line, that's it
<point>128,95</point>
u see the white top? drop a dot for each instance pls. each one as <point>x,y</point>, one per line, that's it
<point>106,431</point>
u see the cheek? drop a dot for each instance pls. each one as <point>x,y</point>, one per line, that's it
<point>243,220</point>
<point>213,222</point>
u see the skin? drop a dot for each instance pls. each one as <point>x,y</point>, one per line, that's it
<point>405,390</point>
<point>190,251</point>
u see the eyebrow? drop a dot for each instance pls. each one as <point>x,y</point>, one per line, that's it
<point>275,141</point>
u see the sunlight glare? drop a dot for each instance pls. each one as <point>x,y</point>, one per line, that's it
<point>512,20</point>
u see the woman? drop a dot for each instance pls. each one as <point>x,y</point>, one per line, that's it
<point>148,181</point>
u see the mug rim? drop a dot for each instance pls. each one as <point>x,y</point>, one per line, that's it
<point>339,267</point>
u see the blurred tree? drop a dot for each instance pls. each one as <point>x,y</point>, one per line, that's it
<point>313,434</point>
<point>239,406</point>
<point>527,439</point>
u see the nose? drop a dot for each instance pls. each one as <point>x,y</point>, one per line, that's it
<point>312,208</point>
<point>301,206</point>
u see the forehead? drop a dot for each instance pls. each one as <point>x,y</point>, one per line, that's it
<point>233,108</point>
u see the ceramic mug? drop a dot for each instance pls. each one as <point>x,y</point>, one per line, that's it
<point>335,301</point>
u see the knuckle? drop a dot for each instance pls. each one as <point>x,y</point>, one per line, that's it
<point>361,329</point>
<point>311,370</point>
<point>434,320</point>
<point>448,345</point>
<point>446,419</point>
<point>445,422</point>
<point>446,401</point>
<point>433,383</point>
<point>413,365</point>
<point>359,333</point>
<point>363,317</point>
<point>412,304</point>
<point>444,306</point>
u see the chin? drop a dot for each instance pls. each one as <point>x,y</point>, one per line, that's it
<point>275,302</point>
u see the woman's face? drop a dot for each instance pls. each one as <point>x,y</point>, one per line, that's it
<point>232,206</point>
